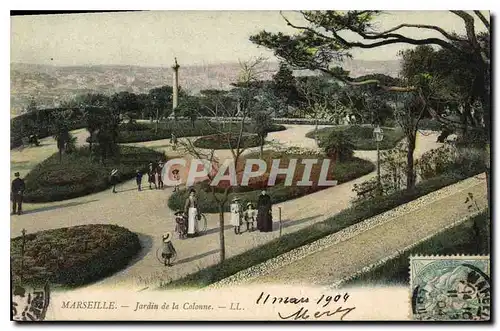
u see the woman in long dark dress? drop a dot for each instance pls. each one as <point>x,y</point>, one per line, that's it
<point>264,213</point>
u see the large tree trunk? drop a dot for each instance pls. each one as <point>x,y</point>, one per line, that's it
<point>410,172</point>
<point>221,234</point>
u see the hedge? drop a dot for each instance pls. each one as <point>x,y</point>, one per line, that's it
<point>220,141</point>
<point>38,123</point>
<point>347,217</point>
<point>78,175</point>
<point>362,136</point>
<point>73,256</point>
<point>471,238</point>
<point>181,128</point>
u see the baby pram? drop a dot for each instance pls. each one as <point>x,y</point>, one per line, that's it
<point>181,227</point>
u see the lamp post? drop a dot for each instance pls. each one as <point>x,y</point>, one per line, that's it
<point>378,135</point>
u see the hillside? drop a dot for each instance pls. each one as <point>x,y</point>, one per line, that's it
<point>51,85</point>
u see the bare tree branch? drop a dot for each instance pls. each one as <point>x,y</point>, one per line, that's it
<point>483,19</point>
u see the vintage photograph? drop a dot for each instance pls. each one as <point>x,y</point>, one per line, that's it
<point>250,166</point>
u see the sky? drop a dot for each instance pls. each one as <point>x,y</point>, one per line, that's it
<point>154,38</point>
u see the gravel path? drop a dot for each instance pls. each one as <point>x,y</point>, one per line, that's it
<point>147,214</point>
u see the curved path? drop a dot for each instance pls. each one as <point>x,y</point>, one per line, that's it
<point>147,214</point>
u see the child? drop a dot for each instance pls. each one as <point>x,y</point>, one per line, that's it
<point>249,216</point>
<point>168,249</point>
<point>176,177</point>
<point>236,215</point>
<point>180,224</point>
<point>138,179</point>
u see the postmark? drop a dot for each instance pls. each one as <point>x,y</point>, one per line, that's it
<point>30,303</point>
<point>447,288</point>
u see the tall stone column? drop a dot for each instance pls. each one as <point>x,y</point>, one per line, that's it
<point>175,97</point>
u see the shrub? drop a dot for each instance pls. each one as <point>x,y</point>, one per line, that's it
<point>338,146</point>
<point>362,136</point>
<point>73,256</point>
<point>450,158</point>
<point>78,175</point>
<point>347,217</point>
<point>227,141</point>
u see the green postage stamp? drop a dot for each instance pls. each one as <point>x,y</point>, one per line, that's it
<point>446,288</point>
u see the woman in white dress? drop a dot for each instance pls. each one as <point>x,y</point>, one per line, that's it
<point>236,215</point>
<point>191,210</point>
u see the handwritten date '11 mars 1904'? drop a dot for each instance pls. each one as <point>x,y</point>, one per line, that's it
<point>303,313</point>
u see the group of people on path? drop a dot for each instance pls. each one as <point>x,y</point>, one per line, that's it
<point>154,173</point>
<point>262,215</point>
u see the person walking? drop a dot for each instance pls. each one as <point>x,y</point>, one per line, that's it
<point>159,171</point>
<point>138,179</point>
<point>17,191</point>
<point>173,141</point>
<point>264,213</point>
<point>192,212</point>
<point>114,179</point>
<point>151,175</point>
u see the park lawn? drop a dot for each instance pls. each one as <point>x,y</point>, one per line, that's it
<point>78,175</point>
<point>72,256</point>
<point>470,238</point>
<point>362,136</point>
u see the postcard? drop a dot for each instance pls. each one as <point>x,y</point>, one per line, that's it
<point>251,166</point>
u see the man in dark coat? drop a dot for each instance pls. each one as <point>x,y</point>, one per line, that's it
<point>17,191</point>
<point>264,213</point>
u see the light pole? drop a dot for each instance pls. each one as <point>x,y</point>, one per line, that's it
<point>378,135</point>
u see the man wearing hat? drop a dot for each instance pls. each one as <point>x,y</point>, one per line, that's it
<point>168,251</point>
<point>236,215</point>
<point>114,179</point>
<point>17,191</point>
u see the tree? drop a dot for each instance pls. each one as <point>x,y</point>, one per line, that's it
<point>284,85</point>
<point>94,119</point>
<point>233,134</point>
<point>160,99</point>
<point>60,131</point>
<point>189,107</point>
<point>125,103</point>
<point>330,36</point>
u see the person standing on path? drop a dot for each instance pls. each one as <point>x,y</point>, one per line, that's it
<point>159,171</point>
<point>138,179</point>
<point>176,177</point>
<point>151,175</point>
<point>192,212</point>
<point>236,215</point>
<point>17,192</point>
<point>264,213</point>
<point>173,141</point>
<point>114,179</point>
<point>168,250</point>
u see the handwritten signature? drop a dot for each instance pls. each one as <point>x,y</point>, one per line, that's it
<point>303,314</point>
